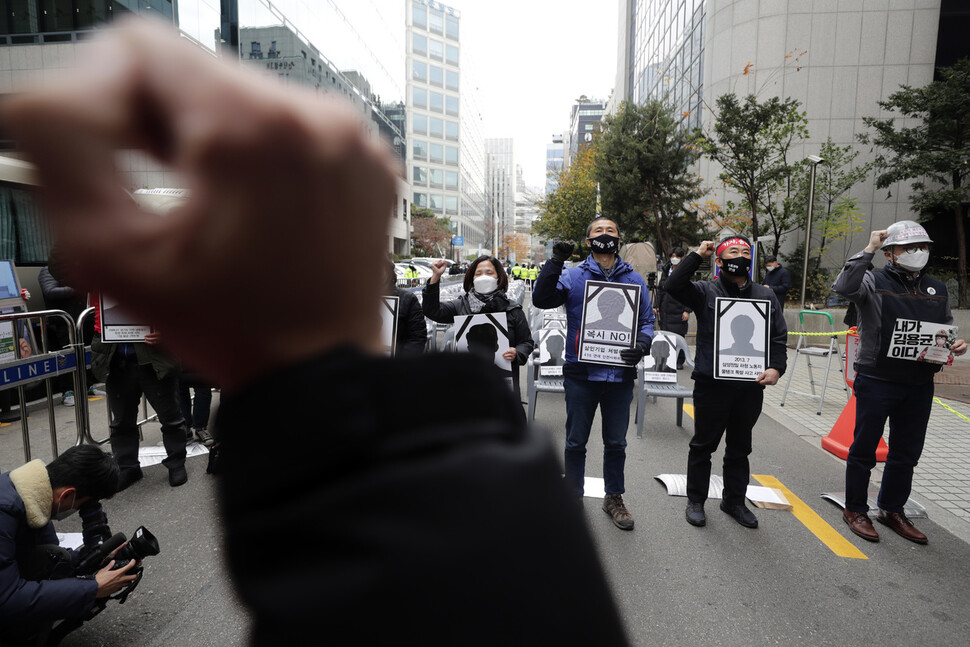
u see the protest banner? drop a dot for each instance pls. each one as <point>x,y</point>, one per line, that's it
<point>922,341</point>
<point>119,326</point>
<point>609,321</point>
<point>741,329</point>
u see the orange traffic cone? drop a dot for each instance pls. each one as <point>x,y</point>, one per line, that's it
<point>840,438</point>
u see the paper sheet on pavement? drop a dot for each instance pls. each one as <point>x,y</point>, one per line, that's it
<point>156,454</point>
<point>762,497</point>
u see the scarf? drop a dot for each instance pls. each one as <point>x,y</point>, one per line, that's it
<point>478,301</point>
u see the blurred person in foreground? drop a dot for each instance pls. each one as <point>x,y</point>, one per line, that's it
<point>398,499</point>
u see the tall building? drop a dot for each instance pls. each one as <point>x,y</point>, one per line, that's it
<point>500,191</point>
<point>446,158</point>
<point>554,160</point>
<point>584,118</point>
<point>277,38</point>
<point>850,56</point>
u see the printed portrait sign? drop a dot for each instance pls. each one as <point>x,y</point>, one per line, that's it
<point>852,347</point>
<point>119,326</point>
<point>486,335</point>
<point>389,325</point>
<point>609,321</point>
<point>661,364</point>
<point>552,351</point>
<point>922,341</point>
<point>741,329</point>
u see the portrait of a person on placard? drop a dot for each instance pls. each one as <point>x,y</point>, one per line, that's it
<point>612,306</point>
<point>939,352</point>
<point>660,352</point>
<point>553,346</point>
<point>742,332</point>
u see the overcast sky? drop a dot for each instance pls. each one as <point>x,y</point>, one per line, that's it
<point>529,59</point>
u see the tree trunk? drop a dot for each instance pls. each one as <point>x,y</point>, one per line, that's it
<point>754,231</point>
<point>961,256</point>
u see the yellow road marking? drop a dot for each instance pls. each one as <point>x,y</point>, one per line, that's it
<point>689,410</point>
<point>826,533</point>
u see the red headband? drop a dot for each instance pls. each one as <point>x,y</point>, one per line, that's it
<point>732,241</point>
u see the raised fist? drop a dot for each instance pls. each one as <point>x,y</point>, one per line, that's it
<point>562,250</point>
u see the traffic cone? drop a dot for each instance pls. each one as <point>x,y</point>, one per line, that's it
<point>839,439</point>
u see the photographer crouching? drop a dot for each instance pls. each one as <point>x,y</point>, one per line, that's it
<point>41,583</point>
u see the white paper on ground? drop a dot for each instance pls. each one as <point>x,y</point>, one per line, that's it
<point>594,487</point>
<point>72,540</point>
<point>155,455</point>
<point>767,497</point>
<point>676,485</point>
<point>911,509</point>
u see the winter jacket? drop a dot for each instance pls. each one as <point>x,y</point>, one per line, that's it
<point>881,297</point>
<point>414,506</point>
<point>779,280</point>
<point>556,286</point>
<point>701,296</point>
<point>25,522</point>
<point>671,310</point>
<point>412,334</point>
<point>102,354</point>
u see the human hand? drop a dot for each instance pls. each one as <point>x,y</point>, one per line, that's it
<point>685,316</point>
<point>875,240</point>
<point>706,250</point>
<point>562,250</point>
<point>959,347</point>
<point>509,354</point>
<point>272,171</point>
<point>437,269</point>
<point>25,349</point>
<point>25,294</point>
<point>769,377</point>
<point>632,356</point>
<point>111,581</point>
<point>153,338</point>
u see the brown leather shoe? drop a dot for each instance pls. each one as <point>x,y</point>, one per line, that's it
<point>859,523</point>
<point>902,526</point>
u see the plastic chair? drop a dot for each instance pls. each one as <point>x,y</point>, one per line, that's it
<point>536,382</point>
<point>649,386</point>
<point>809,351</point>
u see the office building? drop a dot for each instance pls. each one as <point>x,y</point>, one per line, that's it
<point>584,118</point>
<point>554,161</point>
<point>500,191</point>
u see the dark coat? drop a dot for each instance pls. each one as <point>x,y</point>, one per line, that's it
<point>671,310</point>
<point>779,281</point>
<point>24,602</point>
<point>448,516</point>
<point>412,334</point>
<point>102,353</point>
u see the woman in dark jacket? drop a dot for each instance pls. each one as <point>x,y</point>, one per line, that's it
<point>485,285</point>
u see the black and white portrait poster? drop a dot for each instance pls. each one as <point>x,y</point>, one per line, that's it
<point>609,321</point>
<point>389,313</point>
<point>486,335</point>
<point>118,325</point>
<point>661,364</point>
<point>741,329</point>
<point>552,351</point>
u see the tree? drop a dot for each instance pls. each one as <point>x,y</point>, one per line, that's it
<point>751,141</point>
<point>430,236</point>
<point>643,165</point>
<point>935,151</point>
<point>565,213</point>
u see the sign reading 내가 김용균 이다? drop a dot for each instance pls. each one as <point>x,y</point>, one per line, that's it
<point>741,329</point>
<point>609,321</point>
<point>922,341</point>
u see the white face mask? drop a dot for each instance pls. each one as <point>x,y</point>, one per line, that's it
<point>485,284</point>
<point>674,261</point>
<point>770,267</point>
<point>914,260</point>
<point>61,515</point>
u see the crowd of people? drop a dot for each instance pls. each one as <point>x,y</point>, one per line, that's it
<point>399,499</point>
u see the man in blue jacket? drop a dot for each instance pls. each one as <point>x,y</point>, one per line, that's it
<point>30,497</point>
<point>591,385</point>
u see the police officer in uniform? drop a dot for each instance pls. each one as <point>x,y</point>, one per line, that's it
<point>886,387</point>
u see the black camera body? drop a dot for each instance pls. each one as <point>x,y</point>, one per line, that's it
<point>99,543</point>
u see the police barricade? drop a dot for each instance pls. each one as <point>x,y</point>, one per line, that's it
<point>21,372</point>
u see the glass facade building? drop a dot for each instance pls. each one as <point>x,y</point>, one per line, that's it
<point>500,190</point>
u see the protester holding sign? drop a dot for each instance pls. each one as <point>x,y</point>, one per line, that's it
<point>606,385</point>
<point>901,310</point>
<point>485,285</point>
<point>724,407</point>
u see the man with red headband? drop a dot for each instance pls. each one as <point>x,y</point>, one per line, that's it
<point>724,407</point>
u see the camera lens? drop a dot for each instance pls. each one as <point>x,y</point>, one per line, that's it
<point>141,545</point>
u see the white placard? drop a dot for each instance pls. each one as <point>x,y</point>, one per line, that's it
<point>610,312</point>
<point>741,338</point>
<point>486,335</point>
<point>118,326</point>
<point>389,324</point>
<point>922,341</point>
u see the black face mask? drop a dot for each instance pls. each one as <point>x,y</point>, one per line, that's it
<point>604,244</point>
<point>736,266</point>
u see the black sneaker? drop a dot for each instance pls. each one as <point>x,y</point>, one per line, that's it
<point>128,477</point>
<point>177,476</point>
<point>741,514</point>
<point>613,506</point>
<point>695,514</point>
<point>205,437</point>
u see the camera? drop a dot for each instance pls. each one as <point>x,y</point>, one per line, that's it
<point>651,280</point>
<point>99,543</point>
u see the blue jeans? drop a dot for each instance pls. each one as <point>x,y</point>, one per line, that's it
<point>907,406</point>
<point>582,398</point>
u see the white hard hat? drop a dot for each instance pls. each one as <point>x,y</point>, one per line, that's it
<point>905,232</point>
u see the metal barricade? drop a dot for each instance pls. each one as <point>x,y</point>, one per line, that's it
<point>45,366</point>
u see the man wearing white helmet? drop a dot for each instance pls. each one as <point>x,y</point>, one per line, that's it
<point>886,387</point>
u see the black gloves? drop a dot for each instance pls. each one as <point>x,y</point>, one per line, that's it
<point>562,250</point>
<point>632,356</point>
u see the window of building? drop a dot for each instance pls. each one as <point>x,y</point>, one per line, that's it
<point>419,71</point>
<point>419,97</point>
<point>451,155</point>
<point>451,81</point>
<point>419,45</point>
<point>451,179</point>
<point>437,76</point>
<point>436,23</point>
<point>436,151</point>
<point>451,106</point>
<point>420,175</point>
<point>436,127</point>
<point>451,204</point>
<point>436,49</point>
<point>451,54</point>
<point>419,15</point>
<point>420,199</point>
<point>419,150</point>
<point>437,102</point>
<point>437,176</point>
<point>451,129</point>
<point>419,124</point>
<point>451,27</point>
<point>437,202</point>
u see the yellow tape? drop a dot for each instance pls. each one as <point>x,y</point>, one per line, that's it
<point>950,409</point>
<point>820,334</point>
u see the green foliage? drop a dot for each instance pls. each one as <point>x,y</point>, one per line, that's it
<point>934,151</point>
<point>643,165</point>
<point>751,141</point>
<point>565,213</point>
<point>430,236</point>
<point>819,283</point>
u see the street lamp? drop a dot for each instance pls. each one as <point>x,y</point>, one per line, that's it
<point>814,160</point>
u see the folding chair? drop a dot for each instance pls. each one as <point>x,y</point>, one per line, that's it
<point>804,348</point>
<point>546,377</point>
<point>650,383</point>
